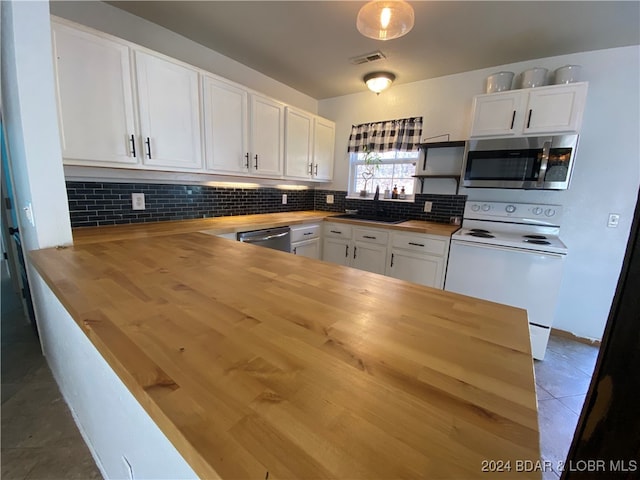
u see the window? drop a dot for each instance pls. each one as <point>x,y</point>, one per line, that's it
<point>396,168</point>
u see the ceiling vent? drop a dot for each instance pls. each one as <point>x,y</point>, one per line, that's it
<point>367,58</point>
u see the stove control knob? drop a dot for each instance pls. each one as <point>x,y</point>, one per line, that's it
<point>537,211</point>
<point>475,207</point>
<point>549,212</point>
<point>510,208</point>
<point>486,207</point>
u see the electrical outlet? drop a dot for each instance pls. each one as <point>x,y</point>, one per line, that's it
<point>284,198</point>
<point>28,212</point>
<point>137,201</point>
<point>613,221</point>
<point>427,207</point>
<point>329,199</point>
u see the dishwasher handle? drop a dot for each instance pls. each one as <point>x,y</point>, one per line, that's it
<point>264,237</point>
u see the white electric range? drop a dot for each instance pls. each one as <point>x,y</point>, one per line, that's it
<point>511,253</point>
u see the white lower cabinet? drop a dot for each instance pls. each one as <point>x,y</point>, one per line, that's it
<point>419,258</point>
<point>305,240</point>
<point>337,246</point>
<point>370,249</point>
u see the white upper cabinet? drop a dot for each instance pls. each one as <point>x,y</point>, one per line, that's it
<point>226,126</point>
<point>554,109</point>
<point>169,100</point>
<point>94,96</point>
<point>323,149</point>
<point>298,144</point>
<point>267,136</point>
<point>309,146</point>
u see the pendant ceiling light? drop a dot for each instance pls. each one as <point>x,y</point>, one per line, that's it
<point>385,19</point>
<point>379,81</point>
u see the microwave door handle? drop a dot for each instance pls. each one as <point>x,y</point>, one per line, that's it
<point>546,149</point>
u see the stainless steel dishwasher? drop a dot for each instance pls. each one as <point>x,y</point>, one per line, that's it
<point>276,238</point>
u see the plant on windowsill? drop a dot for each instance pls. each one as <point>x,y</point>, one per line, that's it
<point>372,163</point>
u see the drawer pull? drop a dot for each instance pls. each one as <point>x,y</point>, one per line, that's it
<point>417,244</point>
<point>369,236</point>
<point>336,231</point>
<point>308,233</point>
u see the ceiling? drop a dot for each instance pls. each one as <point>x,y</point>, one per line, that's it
<point>307,44</point>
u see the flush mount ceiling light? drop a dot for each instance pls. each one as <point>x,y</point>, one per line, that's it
<point>379,81</point>
<point>385,19</point>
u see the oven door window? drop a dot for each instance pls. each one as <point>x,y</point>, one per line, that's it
<point>511,165</point>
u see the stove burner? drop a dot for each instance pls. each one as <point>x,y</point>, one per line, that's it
<point>482,234</point>
<point>538,242</point>
<point>535,237</point>
<point>479,230</point>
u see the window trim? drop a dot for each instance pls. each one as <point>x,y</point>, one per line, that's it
<point>354,162</point>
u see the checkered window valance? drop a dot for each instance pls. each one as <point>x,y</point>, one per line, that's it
<point>403,135</point>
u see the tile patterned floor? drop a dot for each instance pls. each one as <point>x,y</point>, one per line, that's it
<point>562,381</point>
<point>40,439</point>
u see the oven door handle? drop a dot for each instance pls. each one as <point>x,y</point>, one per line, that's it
<point>506,248</point>
<point>546,149</point>
<point>263,238</point>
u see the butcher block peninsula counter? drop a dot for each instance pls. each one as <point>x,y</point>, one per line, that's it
<point>260,364</point>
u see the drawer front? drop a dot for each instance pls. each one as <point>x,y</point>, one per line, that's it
<point>421,243</point>
<point>337,230</point>
<point>304,232</point>
<point>371,236</point>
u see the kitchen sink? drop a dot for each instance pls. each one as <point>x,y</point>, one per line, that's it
<point>372,218</point>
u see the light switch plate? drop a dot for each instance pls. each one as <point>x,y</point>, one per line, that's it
<point>284,198</point>
<point>329,199</point>
<point>613,221</point>
<point>428,206</point>
<point>137,201</point>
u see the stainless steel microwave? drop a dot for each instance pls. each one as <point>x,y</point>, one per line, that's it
<point>543,163</point>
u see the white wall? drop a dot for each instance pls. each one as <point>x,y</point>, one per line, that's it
<point>114,21</point>
<point>605,179</point>
<point>29,114</point>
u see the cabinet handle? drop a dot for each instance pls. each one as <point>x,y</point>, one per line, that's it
<point>355,251</point>
<point>148,143</point>
<point>392,259</point>
<point>132,139</point>
<point>529,119</point>
<point>417,244</point>
<point>246,157</point>
<point>295,250</point>
<point>369,236</point>
<point>256,157</point>
<point>308,233</point>
<point>336,231</point>
<point>311,169</point>
<point>346,253</point>
<point>513,119</point>
<point>316,173</point>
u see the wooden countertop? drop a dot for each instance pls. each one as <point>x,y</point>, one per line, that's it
<point>220,225</point>
<point>252,360</point>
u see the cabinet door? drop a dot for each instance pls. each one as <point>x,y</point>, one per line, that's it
<point>267,136</point>
<point>336,250</point>
<point>226,126</point>
<point>555,109</point>
<point>323,149</point>
<point>417,268</point>
<point>94,95</point>
<point>369,257</point>
<point>298,143</point>
<point>307,248</point>
<point>497,114</point>
<point>169,106</point>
